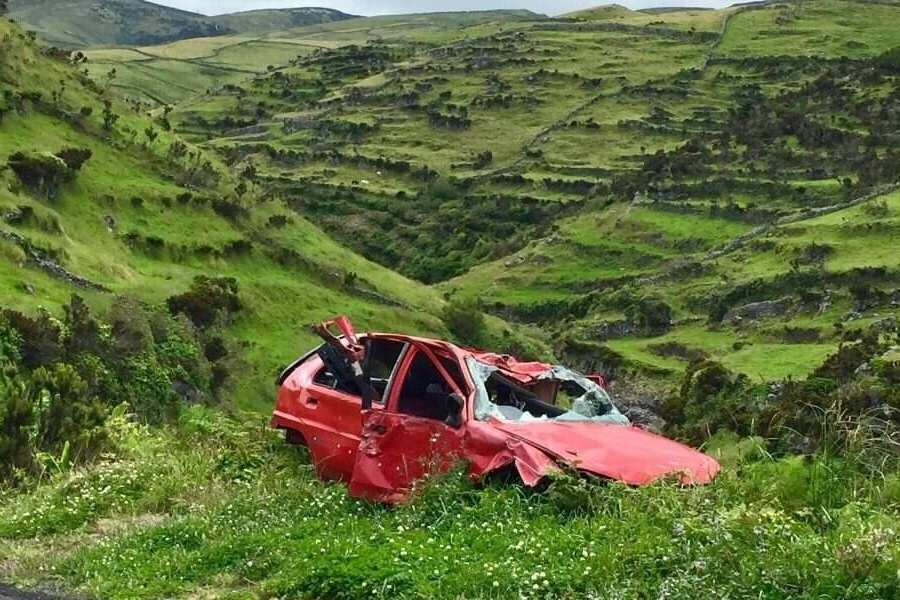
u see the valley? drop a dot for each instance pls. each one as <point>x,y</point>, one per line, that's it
<point>702,205</point>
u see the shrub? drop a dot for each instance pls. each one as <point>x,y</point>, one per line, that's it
<point>16,414</point>
<point>75,157</point>
<point>130,327</point>
<point>208,300</point>
<point>650,315</point>
<point>39,339</point>
<point>465,321</point>
<point>711,399</point>
<point>65,412</point>
<point>42,173</point>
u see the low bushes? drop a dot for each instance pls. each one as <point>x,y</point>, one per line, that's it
<point>851,403</point>
<point>60,378</point>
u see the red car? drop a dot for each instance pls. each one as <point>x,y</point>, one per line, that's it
<point>382,410</point>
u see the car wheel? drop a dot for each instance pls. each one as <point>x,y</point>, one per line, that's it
<point>294,437</point>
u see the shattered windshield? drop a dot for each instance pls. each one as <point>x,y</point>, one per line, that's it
<point>558,394</point>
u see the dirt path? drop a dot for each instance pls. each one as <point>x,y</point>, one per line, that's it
<point>9,593</point>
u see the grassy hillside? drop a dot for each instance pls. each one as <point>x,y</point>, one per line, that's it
<point>652,192</point>
<point>172,73</point>
<point>129,224</point>
<point>84,23</point>
<point>568,173</point>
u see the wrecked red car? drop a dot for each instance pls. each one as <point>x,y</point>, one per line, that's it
<point>382,410</point>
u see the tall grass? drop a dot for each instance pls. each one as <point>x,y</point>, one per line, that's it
<point>222,508</point>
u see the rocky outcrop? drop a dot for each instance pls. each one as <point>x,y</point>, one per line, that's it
<point>758,311</point>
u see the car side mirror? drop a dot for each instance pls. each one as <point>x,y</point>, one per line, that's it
<point>455,405</point>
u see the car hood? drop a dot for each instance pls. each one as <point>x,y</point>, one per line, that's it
<point>625,453</point>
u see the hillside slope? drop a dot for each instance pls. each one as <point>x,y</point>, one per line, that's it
<point>86,23</point>
<point>171,73</point>
<point>575,174</point>
<point>127,223</point>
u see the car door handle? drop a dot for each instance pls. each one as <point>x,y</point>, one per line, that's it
<point>379,429</point>
<point>312,401</point>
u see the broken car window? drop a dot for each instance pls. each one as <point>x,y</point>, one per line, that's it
<point>506,399</point>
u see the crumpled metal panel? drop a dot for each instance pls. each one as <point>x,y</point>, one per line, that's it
<point>396,450</point>
<point>624,453</point>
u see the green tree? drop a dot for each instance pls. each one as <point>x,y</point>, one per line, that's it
<point>109,117</point>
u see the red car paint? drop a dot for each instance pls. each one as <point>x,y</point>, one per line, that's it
<point>413,429</point>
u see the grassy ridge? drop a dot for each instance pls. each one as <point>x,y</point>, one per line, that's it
<point>171,73</point>
<point>84,23</point>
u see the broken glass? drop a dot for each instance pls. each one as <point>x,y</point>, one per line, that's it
<point>509,400</point>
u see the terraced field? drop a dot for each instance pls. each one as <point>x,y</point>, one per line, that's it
<point>558,171</point>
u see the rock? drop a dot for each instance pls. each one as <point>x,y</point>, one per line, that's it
<point>110,222</point>
<point>613,330</point>
<point>885,324</point>
<point>514,262</point>
<point>759,310</point>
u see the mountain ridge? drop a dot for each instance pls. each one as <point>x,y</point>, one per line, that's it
<point>91,23</point>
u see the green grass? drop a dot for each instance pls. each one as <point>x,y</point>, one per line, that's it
<point>827,27</point>
<point>216,508</point>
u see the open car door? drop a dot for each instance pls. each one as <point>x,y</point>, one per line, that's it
<point>419,434</point>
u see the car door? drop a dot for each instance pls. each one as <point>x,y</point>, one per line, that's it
<point>332,403</point>
<point>416,435</point>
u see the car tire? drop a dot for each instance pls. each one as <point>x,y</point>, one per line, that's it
<point>294,437</point>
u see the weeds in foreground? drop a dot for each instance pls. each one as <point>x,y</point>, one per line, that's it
<point>223,508</point>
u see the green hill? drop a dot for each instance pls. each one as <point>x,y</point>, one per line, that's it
<point>128,225</point>
<point>87,23</point>
<point>703,205</point>
<point>171,73</point>
<point>563,172</point>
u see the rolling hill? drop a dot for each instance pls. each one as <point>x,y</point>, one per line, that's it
<point>168,74</point>
<point>572,173</point>
<point>703,205</point>
<point>89,23</point>
<point>127,225</point>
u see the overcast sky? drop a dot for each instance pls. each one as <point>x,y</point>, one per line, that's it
<point>393,7</point>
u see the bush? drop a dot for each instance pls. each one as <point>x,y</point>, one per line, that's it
<point>850,404</point>
<point>130,327</point>
<point>465,321</point>
<point>711,399</point>
<point>209,300</point>
<point>41,173</point>
<point>650,315</point>
<point>75,157</point>
<point>59,379</point>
